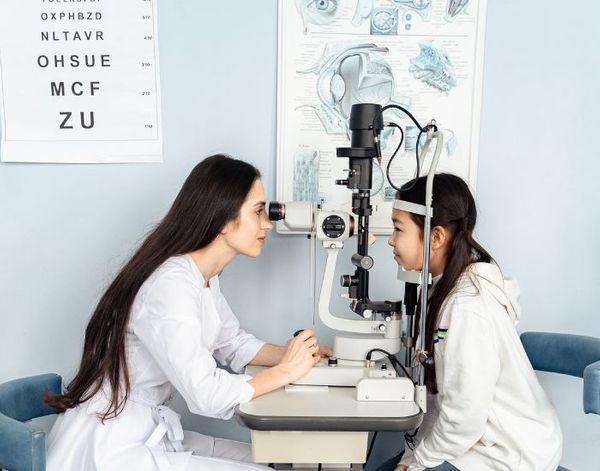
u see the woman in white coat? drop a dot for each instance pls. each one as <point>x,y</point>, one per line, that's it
<point>163,324</point>
<point>486,408</point>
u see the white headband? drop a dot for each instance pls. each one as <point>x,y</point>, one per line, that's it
<point>411,207</point>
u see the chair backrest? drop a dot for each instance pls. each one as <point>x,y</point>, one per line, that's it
<point>22,448</point>
<point>574,355</point>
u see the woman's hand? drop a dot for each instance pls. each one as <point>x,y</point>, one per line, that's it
<point>301,354</point>
<point>325,352</point>
<point>401,467</point>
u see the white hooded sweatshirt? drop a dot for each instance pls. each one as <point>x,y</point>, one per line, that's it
<point>490,412</point>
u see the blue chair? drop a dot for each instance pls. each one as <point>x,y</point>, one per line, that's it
<point>574,355</point>
<point>22,447</point>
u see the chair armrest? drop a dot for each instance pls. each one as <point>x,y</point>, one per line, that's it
<point>561,353</point>
<point>591,389</point>
<point>23,399</point>
<point>19,444</point>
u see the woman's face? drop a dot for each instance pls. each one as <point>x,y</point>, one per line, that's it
<point>406,241</point>
<point>246,235</point>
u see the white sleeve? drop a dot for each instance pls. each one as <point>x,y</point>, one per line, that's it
<point>234,347</point>
<point>169,325</point>
<point>471,369</point>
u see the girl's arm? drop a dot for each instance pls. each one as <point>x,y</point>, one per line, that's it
<point>429,420</point>
<point>471,369</point>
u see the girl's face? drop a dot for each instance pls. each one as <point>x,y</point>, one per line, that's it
<point>246,235</point>
<point>407,241</point>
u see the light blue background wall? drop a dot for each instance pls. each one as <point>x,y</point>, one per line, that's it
<point>65,229</point>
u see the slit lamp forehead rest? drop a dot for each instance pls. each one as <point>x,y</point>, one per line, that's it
<point>411,207</point>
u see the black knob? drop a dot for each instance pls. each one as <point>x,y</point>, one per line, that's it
<point>332,361</point>
<point>348,280</point>
<point>362,261</point>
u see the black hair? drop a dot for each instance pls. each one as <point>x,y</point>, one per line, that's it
<point>454,209</point>
<point>210,197</point>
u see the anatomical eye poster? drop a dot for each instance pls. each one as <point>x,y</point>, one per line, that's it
<point>423,55</point>
<point>79,81</point>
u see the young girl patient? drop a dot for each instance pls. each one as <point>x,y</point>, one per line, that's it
<point>486,408</point>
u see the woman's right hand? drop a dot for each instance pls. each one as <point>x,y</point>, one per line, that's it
<point>301,354</point>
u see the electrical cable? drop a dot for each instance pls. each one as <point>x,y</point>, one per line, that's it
<point>393,360</point>
<point>407,436</point>
<point>391,124</point>
<point>404,110</point>
<point>387,170</point>
<point>410,438</point>
<point>418,169</point>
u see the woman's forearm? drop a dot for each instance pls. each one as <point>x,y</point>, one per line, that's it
<point>268,355</point>
<point>270,379</point>
<point>291,362</point>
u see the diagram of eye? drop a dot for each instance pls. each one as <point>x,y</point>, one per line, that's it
<point>359,73</point>
<point>383,19</point>
<point>422,7</point>
<point>317,12</point>
<point>456,8</point>
<point>422,56</point>
<point>349,74</point>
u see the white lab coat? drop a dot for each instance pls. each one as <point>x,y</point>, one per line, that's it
<point>490,413</point>
<point>176,331</point>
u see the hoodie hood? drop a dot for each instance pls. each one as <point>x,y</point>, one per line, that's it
<point>487,276</point>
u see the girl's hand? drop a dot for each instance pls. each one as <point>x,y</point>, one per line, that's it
<point>401,467</point>
<point>301,354</point>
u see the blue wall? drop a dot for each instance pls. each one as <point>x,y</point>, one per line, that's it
<point>65,229</point>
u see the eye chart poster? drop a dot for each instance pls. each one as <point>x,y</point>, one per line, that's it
<point>424,55</point>
<point>79,81</point>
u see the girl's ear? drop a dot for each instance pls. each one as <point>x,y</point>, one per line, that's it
<point>439,237</point>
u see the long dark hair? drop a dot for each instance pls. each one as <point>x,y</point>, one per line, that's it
<point>454,209</point>
<point>210,198</point>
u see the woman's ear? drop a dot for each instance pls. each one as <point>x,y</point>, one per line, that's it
<point>231,226</point>
<point>439,237</point>
<point>227,228</point>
